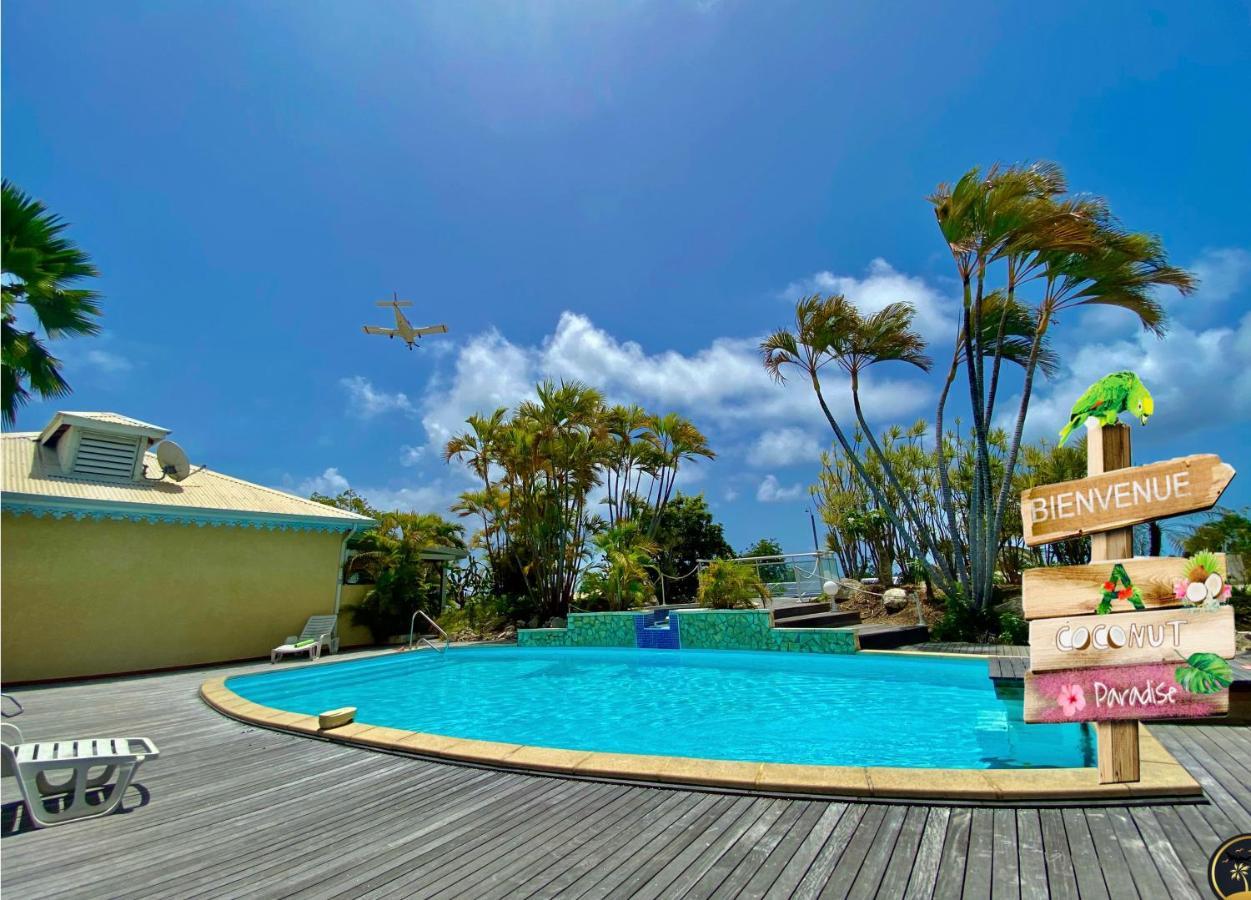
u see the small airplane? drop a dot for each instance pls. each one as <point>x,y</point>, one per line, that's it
<point>403,329</point>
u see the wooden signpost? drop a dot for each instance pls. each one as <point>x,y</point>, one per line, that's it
<point>1122,497</point>
<point>1124,638</point>
<point>1066,590</point>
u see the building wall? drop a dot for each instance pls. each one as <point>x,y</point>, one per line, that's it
<point>80,598</point>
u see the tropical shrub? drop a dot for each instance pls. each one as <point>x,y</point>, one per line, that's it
<point>727,584</point>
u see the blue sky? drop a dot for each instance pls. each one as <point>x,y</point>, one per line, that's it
<point>629,193</point>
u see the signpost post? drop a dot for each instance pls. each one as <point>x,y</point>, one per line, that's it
<point>1109,641</point>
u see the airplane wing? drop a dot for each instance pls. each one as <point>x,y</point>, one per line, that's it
<point>430,329</point>
<point>374,329</point>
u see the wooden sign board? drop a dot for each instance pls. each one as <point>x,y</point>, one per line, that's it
<point>1122,497</point>
<point>1078,590</point>
<point>1121,639</point>
<point>1149,691</point>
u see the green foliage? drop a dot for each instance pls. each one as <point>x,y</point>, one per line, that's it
<point>726,584</point>
<point>622,579</point>
<point>41,271</point>
<point>769,572</point>
<point>539,466</point>
<point>963,622</point>
<point>481,616</point>
<point>1225,531</point>
<point>868,540</point>
<point>389,557</point>
<point>685,534</point>
<point>1204,673</point>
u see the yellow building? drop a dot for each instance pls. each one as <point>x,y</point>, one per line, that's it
<point>110,564</point>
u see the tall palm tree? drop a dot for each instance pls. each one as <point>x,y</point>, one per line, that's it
<point>40,270</point>
<point>674,439</point>
<point>831,331</point>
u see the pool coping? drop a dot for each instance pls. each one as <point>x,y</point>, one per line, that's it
<point>1163,777</point>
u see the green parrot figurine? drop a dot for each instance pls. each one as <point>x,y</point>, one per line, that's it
<point>1107,398</point>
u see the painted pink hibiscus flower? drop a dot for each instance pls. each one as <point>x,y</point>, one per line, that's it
<point>1071,699</point>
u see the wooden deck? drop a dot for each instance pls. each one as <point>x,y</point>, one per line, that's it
<point>232,811</point>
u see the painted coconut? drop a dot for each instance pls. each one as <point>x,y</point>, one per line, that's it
<point>1203,585</point>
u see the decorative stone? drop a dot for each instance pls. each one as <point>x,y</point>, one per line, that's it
<point>847,588</point>
<point>895,599</point>
<point>336,718</point>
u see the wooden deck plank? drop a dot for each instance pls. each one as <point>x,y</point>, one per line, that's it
<point>1086,868</point>
<point>341,820</point>
<point>854,852</point>
<point>1030,856</point>
<point>677,837</point>
<point>924,875</point>
<point>823,863</point>
<point>1061,880</point>
<point>950,881</point>
<point>1005,862</point>
<point>1116,875</point>
<point>1141,868</point>
<point>901,863</point>
<point>770,870</point>
<point>796,867</point>
<point>978,868</point>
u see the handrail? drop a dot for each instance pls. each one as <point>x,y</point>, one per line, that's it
<point>412,624</point>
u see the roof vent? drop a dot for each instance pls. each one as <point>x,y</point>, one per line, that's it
<point>105,456</point>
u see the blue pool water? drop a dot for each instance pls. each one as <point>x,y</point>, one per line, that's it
<point>828,709</point>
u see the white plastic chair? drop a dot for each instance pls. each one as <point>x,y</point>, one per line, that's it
<point>321,630</point>
<point>36,765</point>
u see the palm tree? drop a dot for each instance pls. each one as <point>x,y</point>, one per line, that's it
<point>673,440</point>
<point>1080,255</point>
<point>628,555</point>
<point>830,330</point>
<point>40,269</point>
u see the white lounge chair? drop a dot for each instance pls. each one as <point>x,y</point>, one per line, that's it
<point>40,768</point>
<point>321,631</point>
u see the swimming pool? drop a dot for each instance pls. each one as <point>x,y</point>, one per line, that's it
<point>819,709</point>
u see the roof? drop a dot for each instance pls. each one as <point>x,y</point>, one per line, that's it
<point>32,483</point>
<point>102,421</point>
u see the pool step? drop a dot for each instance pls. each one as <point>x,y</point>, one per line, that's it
<point>787,610</point>
<point>826,619</point>
<point>889,637</point>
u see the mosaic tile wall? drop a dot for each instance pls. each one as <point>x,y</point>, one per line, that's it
<point>720,629</point>
<point>749,629</point>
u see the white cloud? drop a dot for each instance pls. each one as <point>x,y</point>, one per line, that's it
<point>1222,273</point>
<point>730,495</point>
<point>410,455</point>
<point>723,384</point>
<point>771,491</point>
<point>935,316</point>
<point>107,362</point>
<point>329,482</point>
<point>433,497</point>
<point>784,447</point>
<point>366,401</point>
<point>1184,372</point>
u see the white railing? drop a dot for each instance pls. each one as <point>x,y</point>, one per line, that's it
<point>412,624</point>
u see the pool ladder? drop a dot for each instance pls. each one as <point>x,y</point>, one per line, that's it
<point>412,624</point>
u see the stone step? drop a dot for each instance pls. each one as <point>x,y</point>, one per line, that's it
<point>827,619</point>
<point>890,637</point>
<point>789,610</point>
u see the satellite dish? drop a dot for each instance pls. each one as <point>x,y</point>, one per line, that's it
<point>173,460</point>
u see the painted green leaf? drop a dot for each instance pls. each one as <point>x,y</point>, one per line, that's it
<point>1204,673</point>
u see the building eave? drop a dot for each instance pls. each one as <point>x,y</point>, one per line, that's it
<point>39,506</point>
